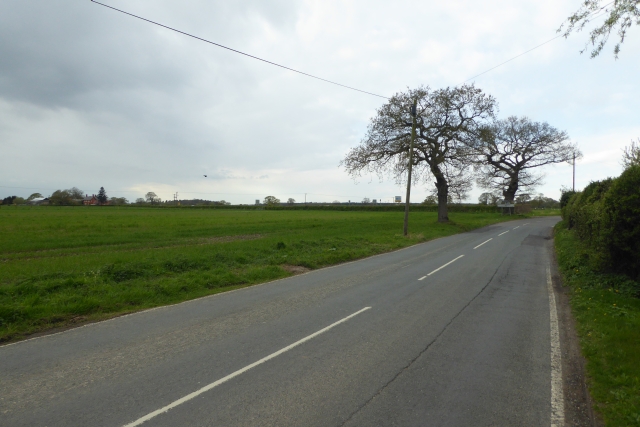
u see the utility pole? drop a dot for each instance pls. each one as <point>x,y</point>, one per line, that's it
<point>574,172</point>
<point>413,136</point>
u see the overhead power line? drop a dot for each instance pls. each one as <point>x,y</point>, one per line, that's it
<point>509,60</point>
<point>598,13</point>
<point>595,14</point>
<point>240,52</point>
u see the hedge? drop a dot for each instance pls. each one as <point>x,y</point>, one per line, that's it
<point>468,208</point>
<point>606,216</point>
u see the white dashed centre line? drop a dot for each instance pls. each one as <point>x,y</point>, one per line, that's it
<point>483,243</point>
<point>238,372</point>
<point>440,268</point>
<point>503,233</point>
<point>422,278</point>
<point>517,227</point>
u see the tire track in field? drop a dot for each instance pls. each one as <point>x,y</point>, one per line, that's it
<point>194,242</point>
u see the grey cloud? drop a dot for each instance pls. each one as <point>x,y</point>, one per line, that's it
<point>69,54</point>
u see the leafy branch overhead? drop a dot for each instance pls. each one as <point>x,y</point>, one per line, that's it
<point>620,16</point>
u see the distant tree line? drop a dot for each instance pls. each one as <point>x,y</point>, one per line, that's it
<point>75,197</point>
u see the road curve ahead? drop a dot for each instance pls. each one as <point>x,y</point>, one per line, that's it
<point>459,331</point>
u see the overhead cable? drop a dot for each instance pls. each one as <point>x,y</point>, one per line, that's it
<point>240,52</point>
<point>599,14</point>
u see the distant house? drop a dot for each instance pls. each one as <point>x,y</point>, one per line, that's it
<point>38,201</point>
<point>90,200</point>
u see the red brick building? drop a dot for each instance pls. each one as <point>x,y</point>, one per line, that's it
<point>90,200</point>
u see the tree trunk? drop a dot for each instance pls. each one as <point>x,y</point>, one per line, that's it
<point>443,196</point>
<point>510,193</point>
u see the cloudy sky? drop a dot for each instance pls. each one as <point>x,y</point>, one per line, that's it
<point>90,97</point>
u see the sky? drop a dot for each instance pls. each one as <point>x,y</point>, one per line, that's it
<point>92,98</point>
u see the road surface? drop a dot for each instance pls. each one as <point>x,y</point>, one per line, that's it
<point>459,331</point>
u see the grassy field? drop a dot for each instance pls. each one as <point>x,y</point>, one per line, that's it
<point>607,312</point>
<point>65,265</point>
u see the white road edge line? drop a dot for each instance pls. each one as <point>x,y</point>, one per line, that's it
<point>440,268</point>
<point>483,243</point>
<point>503,233</point>
<point>238,372</point>
<point>422,278</point>
<point>557,397</point>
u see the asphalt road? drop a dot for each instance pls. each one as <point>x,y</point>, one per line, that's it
<point>468,344</point>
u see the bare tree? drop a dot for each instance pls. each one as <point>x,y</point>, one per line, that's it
<point>509,150</point>
<point>291,201</point>
<point>76,193</point>
<point>444,118</point>
<point>118,201</point>
<point>621,14</point>
<point>152,197</point>
<point>631,155</point>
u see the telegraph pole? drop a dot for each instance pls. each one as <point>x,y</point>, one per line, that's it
<point>574,172</point>
<point>413,136</point>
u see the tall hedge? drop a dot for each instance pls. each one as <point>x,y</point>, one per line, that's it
<point>606,216</point>
<point>622,205</point>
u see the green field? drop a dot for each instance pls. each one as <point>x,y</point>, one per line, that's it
<point>66,265</point>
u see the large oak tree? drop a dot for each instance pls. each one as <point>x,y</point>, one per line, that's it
<point>445,119</point>
<point>508,151</point>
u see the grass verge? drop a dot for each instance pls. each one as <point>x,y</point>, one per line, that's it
<point>607,312</point>
<point>61,266</point>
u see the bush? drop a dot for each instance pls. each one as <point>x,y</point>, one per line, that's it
<point>564,199</point>
<point>606,216</point>
<point>523,208</point>
<point>622,208</point>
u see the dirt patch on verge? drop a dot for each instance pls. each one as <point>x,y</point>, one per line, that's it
<point>295,269</point>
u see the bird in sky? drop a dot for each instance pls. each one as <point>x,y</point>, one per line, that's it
<point>205,176</point>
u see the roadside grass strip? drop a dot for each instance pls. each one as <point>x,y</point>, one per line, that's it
<point>239,372</point>
<point>607,312</point>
